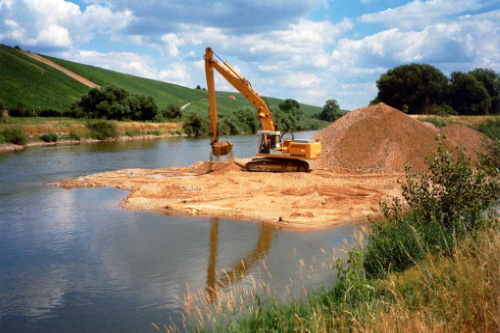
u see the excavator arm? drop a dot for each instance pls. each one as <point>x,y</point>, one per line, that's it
<point>239,83</point>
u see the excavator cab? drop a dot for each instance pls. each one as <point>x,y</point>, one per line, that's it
<point>269,142</point>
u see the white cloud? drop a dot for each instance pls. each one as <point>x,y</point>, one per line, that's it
<point>419,14</point>
<point>57,23</point>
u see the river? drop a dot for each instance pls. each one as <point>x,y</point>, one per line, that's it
<point>73,260</point>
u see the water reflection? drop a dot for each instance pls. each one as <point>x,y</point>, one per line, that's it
<point>239,270</point>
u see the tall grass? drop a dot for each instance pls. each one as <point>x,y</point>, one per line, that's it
<point>431,264</point>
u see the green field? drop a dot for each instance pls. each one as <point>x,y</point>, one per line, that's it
<point>35,85</point>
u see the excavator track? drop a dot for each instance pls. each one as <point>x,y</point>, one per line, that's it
<point>276,165</point>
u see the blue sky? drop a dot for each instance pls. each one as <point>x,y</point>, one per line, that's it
<point>309,50</point>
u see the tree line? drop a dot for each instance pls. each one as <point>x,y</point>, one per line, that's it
<point>424,89</point>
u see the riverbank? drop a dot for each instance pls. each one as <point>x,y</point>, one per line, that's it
<point>12,147</point>
<point>74,131</point>
<point>295,201</point>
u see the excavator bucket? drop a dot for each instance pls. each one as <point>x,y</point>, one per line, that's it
<point>222,148</point>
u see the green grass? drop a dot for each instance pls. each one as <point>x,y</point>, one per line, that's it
<point>35,85</point>
<point>491,128</point>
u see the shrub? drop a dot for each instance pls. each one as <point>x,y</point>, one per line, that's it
<point>50,113</point>
<point>18,111</point>
<point>74,136</point>
<point>443,205</point>
<point>196,125</point>
<point>132,133</point>
<point>102,129</point>
<point>491,128</point>
<point>172,112</point>
<point>2,139</point>
<point>155,132</point>
<point>15,135</point>
<point>436,121</point>
<point>49,137</point>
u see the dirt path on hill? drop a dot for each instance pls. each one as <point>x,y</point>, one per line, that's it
<point>297,201</point>
<point>66,71</point>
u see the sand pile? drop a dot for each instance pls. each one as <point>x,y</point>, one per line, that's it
<point>381,138</point>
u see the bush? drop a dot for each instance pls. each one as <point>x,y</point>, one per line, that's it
<point>115,103</point>
<point>18,111</point>
<point>436,121</point>
<point>443,205</point>
<point>50,113</point>
<point>74,136</point>
<point>102,129</point>
<point>443,110</point>
<point>172,112</point>
<point>155,132</point>
<point>491,128</point>
<point>15,135</point>
<point>196,125</point>
<point>132,133</point>
<point>49,137</point>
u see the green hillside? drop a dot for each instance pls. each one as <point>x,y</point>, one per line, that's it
<point>35,85</point>
<point>165,93</point>
<point>38,86</point>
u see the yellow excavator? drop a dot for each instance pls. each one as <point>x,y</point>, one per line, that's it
<point>274,154</point>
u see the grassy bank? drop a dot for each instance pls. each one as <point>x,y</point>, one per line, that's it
<point>430,264</point>
<point>36,129</point>
<point>440,121</point>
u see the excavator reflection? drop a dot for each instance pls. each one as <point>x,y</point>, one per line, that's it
<point>239,270</point>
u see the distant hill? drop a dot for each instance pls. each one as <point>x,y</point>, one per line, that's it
<point>38,86</point>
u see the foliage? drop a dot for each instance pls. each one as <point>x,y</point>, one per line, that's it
<point>491,128</point>
<point>443,110</point>
<point>117,104</point>
<point>423,89</point>
<point>102,129</point>
<point>468,95</point>
<point>49,137</point>
<point>18,111</point>
<point>331,111</point>
<point>1,110</point>
<point>451,192</point>
<point>491,82</point>
<point>74,136</point>
<point>15,134</point>
<point>196,125</point>
<point>418,86</point>
<point>443,205</point>
<point>172,112</point>
<point>436,121</point>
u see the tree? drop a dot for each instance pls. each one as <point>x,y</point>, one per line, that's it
<point>116,103</point>
<point>1,109</point>
<point>288,105</point>
<point>195,124</point>
<point>418,86</point>
<point>331,111</point>
<point>491,82</point>
<point>467,95</point>
<point>198,87</point>
<point>172,112</point>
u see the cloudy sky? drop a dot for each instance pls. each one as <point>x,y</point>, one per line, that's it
<point>309,50</point>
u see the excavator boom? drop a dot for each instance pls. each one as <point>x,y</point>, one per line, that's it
<point>286,156</point>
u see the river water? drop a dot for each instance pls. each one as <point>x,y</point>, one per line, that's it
<point>73,260</point>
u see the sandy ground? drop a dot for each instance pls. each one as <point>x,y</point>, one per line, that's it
<point>297,201</point>
<point>66,71</point>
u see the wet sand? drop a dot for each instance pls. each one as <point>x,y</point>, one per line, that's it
<point>297,201</point>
